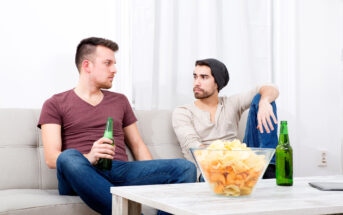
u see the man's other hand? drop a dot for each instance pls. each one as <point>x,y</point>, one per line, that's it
<point>265,115</point>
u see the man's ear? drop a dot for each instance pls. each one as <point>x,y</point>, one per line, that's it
<point>85,66</point>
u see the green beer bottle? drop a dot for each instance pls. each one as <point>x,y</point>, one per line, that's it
<point>105,163</point>
<point>284,158</point>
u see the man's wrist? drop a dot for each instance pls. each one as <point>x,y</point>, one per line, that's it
<point>265,100</point>
<point>92,162</point>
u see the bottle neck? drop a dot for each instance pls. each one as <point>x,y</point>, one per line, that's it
<point>283,129</point>
<point>108,134</point>
<point>109,129</point>
<point>283,138</point>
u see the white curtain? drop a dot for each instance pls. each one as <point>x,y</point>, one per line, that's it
<point>166,37</point>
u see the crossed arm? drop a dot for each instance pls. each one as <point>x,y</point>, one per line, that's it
<point>52,142</point>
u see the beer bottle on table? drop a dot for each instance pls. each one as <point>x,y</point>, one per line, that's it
<point>284,158</point>
<point>105,163</point>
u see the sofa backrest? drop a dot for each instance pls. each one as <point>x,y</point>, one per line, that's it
<point>157,132</point>
<point>22,163</point>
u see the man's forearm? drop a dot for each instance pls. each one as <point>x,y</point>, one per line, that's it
<point>142,153</point>
<point>51,160</point>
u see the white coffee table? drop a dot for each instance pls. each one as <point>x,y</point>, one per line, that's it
<point>197,198</point>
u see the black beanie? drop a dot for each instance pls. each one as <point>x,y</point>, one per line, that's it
<point>218,70</point>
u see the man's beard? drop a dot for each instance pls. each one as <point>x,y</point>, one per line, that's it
<point>105,85</point>
<point>203,95</point>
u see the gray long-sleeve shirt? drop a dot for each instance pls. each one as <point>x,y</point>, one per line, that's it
<point>193,126</point>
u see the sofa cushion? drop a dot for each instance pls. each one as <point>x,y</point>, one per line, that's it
<point>48,176</point>
<point>36,201</point>
<point>158,134</point>
<point>242,124</point>
<point>18,149</point>
<point>19,168</point>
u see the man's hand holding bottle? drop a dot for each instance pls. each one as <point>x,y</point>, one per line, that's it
<point>102,148</point>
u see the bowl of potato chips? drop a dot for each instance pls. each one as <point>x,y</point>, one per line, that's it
<point>230,167</point>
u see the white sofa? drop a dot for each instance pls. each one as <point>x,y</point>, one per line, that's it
<point>28,186</point>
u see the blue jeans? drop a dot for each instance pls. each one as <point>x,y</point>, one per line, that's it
<point>76,176</point>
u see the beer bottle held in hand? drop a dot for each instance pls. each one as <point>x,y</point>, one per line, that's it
<point>105,163</point>
<point>284,158</point>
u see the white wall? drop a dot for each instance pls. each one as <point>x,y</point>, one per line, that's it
<point>319,85</point>
<point>38,43</point>
<point>309,72</point>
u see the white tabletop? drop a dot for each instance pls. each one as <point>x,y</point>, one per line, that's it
<point>267,198</point>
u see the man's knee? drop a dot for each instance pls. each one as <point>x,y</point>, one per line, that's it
<point>189,166</point>
<point>255,101</point>
<point>69,158</point>
<point>187,170</point>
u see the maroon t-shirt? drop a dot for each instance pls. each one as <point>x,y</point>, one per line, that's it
<point>82,124</point>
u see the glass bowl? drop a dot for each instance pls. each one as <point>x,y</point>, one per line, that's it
<point>232,172</point>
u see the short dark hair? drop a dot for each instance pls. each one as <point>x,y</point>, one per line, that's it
<point>87,46</point>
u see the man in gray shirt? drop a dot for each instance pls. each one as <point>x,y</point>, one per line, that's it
<point>211,117</point>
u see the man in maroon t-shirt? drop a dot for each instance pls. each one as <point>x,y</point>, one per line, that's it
<point>73,123</point>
